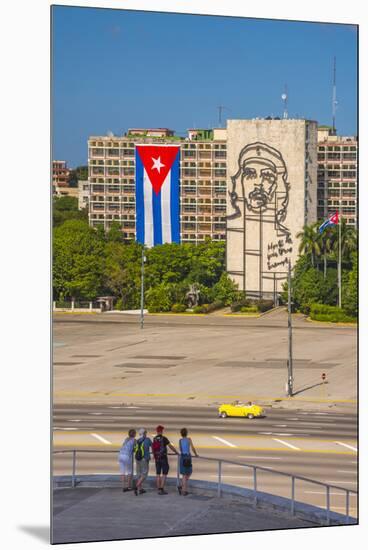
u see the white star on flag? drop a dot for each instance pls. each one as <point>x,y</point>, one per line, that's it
<point>157,164</point>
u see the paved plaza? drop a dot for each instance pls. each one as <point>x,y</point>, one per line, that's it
<point>203,359</point>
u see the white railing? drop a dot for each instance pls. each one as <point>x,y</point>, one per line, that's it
<point>255,469</point>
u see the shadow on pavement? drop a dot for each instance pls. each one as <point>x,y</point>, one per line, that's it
<point>41,532</point>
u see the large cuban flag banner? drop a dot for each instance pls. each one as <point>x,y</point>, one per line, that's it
<point>157,194</point>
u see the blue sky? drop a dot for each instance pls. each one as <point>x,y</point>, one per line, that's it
<point>117,69</point>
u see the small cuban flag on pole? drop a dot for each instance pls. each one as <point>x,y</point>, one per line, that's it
<point>332,220</point>
<point>157,194</point>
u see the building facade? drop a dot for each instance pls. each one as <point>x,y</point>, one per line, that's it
<point>272,184</point>
<point>337,175</point>
<point>60,176</point>
<point>111,176</point>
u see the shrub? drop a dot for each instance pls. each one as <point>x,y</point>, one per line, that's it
<point>178,308</point>
<point>198,309</point>
<point>249,309</point>
<point>332,314</point>
<point>305,308</point>
<point>119,304</point>
<point>225,290</point>
<point>264,305</point>
<point>159,298</point>
<point>236,306</point>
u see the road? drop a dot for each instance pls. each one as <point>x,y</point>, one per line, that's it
<point>317,445</point>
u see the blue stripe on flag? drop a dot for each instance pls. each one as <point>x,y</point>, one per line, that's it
<point>175,200</point>
<point>139,198</point>
<point>157,218</point>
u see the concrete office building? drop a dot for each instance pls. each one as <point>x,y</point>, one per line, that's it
<point>272,184</point>
<point>337,175</point>
<point>111,175</point>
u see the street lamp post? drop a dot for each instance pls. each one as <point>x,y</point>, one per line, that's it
<point>142,287</point>
<point>290,339</point>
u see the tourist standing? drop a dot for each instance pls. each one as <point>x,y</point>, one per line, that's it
<point>159,449</point>
<point>126,460</point>
<point>186,467</point>
<point>142,457</point>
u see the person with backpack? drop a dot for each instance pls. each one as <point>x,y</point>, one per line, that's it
<point>142,457</point>
<point>186,468</point>
<point>126,460</point>
<point>159,449</point>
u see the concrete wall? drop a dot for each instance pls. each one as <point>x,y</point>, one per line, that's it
<point>272,193</point>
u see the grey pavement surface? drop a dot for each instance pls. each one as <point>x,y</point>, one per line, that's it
<point>201,359</point>
<point>95,514</point>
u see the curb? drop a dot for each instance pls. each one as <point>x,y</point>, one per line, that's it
<point>263,501</point>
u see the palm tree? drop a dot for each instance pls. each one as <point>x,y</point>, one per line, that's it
<point>326,240</point>
<point>348,241</point>
<point>310,242</point>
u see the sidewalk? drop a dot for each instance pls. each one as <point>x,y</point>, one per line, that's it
<point>106,513</point>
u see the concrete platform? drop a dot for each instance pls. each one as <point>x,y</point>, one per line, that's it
<point>99,510</point>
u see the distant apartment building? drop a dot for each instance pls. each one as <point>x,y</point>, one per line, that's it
<point>111,176</point>
<point>83,194</point>
<point>337,175</point>
<point>60,176</point>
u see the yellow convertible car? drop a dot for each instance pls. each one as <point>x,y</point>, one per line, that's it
<point>249,410</point>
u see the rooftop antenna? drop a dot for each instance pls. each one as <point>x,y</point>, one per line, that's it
<point>220,108</point>
<point>334,100</point>
<point>284,97</point>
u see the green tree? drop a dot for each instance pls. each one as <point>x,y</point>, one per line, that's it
<point>66,208</point>
<point>310,242</point>
<point>78,261</point>
<point>114,234</point>
<point>123,272</point>
<point>207,262</point>
<point>326,243</point>
<point>78,173</point>
<point>348,242</point>
<point>225,290</point>
<point>159,298</point>
<point>350,289</point>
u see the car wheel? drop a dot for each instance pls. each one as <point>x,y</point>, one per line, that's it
<point>223,414</point>
<point>250,416</point>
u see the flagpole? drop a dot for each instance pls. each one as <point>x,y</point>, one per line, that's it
<point>290,336</point>
<point>339,268</point>
<point>142,288</point>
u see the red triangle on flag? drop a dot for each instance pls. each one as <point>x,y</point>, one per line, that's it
<point>335,218</point>
<point>157,161</point>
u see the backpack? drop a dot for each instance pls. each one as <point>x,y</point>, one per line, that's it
<point>158,447</point>
<point>139,449</point>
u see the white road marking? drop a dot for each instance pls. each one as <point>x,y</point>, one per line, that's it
<point>260,457</point>
<point>293,418</point>
<point>286,435</point>
<point>346,445</point>
<point>74,421</point>
<point>96,414</point>
<point>102,439</point>
<point>347,472</point>
<point>287,444</point>
<point>224,441</point>
<point>66,429</point>
<point>280,425</point>
<point>265,433</point>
